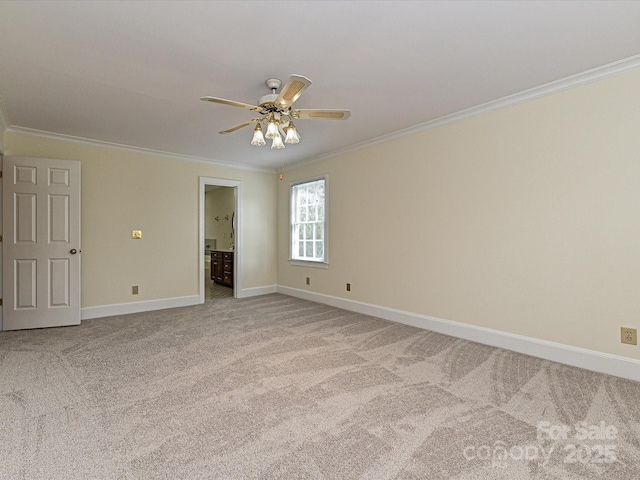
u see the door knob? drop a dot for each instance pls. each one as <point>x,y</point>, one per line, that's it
<point>73,251</point>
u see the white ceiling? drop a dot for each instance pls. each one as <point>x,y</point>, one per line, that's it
<point>132,73</point>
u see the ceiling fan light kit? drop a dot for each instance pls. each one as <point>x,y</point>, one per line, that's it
<point>275,111</point>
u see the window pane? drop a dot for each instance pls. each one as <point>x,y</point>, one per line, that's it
<point>308,216</point>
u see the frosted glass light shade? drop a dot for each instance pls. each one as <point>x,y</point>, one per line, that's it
<point>277,142</point>
<point>292,134</point>
<point>258,138</point>
<point>272,128</point>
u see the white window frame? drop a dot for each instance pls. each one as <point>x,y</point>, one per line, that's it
<point>292,211</point>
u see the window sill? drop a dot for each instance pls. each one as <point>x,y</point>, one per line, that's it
<point>306,263</point>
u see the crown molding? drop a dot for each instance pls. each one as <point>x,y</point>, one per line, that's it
<point>579,79</point>
<point>147,151</point>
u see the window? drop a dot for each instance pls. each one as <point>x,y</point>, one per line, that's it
<point>308,220</point>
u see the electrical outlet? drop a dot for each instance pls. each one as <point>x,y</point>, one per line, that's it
<point>308,281</point>
<point>629,335</point>
<point>134,290</point>
<point>348,287</point>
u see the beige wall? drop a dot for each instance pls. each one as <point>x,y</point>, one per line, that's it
<point>220,203</point>
<point>124,190</point>
<point>524,220</point>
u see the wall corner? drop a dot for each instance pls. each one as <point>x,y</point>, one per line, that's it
<point>4,124</point>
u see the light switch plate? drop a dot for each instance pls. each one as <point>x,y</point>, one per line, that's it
<point>137,234</point>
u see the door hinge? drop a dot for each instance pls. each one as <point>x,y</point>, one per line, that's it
<point>0,302</point>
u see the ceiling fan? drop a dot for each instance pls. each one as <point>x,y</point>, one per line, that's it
<point>275,110</point>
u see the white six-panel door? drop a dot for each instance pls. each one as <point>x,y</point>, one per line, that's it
<point>41,243</point>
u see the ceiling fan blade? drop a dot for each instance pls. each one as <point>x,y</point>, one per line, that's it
<point>232,103</point>
<point>237,127</point>
<point>330,114</point>
<point>292,90</point>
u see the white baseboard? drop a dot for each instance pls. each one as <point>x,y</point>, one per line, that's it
<point>150,305</point>
<point>255,291</point>
<point>557,352</point>
<point>137,307</point>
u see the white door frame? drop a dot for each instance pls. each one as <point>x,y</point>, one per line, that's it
<point>237,261</point>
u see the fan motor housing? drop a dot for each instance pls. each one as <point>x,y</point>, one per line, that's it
<point>268,101</point>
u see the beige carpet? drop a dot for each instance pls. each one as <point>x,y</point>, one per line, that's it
<point>277,387</point>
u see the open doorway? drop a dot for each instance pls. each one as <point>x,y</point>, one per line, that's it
<point>219,241</point>
<point>220,235</point>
